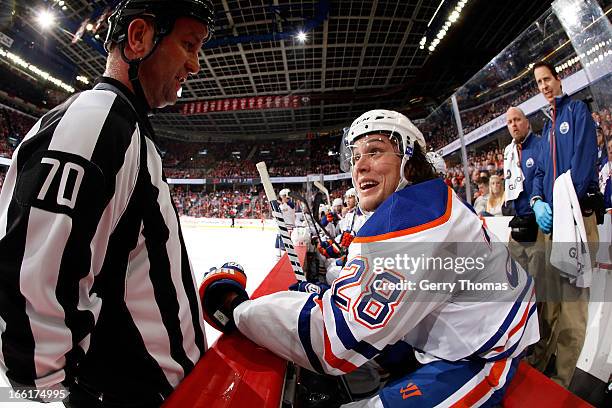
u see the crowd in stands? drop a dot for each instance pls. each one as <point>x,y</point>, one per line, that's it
<point>238,202</point>
<point>440,130</point>
<point>241,203</point>
<point>315,155</point>
<point>237,159</point>
<point>481,167</point>
<point>283,160</point>
<point>12,124</point>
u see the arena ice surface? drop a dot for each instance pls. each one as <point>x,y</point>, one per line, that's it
<point>213,246</point>
<point>209,246</point>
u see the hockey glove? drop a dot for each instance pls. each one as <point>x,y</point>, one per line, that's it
<point>328,249</point>
<point>309,287</point>
<point>543,214</point>
<point>216,293</point>
<point>346,239</point>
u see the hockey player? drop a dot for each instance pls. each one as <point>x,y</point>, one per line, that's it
<point>347,230</point>
<point>332,217</point>
<point>337,206</point>
<point>467,350</point>
<point>287,207</point>
<point>354,218</point>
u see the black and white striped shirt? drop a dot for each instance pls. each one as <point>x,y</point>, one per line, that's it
<point>95,283</point>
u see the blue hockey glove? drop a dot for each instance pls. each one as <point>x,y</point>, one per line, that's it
<point>309,287</point>
<point>217,288</point>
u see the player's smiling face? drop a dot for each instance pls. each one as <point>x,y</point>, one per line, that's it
<point>376,169</point>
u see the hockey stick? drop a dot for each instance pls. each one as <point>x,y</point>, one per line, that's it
<point>280,221</point>
<point>316,204</point>
<point>321,187</point>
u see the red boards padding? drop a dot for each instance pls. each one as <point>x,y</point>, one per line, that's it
<point>531,388</point>
<point>236,372</point>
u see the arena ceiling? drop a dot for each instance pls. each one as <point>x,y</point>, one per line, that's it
<point>358,55</point>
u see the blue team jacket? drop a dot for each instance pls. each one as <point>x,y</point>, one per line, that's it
<point>576,149</point>
<point>530,153</point>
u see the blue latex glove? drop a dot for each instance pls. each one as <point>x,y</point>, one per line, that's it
<point>543,214</point>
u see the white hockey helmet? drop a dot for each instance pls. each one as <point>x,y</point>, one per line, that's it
<point>337,202</point>
<point>388,122</point>
<point>438,163</point>
<point>284,192</point>
<point>351,192</point>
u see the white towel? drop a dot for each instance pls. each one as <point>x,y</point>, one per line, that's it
<point>513,174</point>
<point>570,250</point>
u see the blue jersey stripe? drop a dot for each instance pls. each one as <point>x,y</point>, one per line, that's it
<point>348,340</point>
<point>507,321</point>
<point>512,349</point>
<point>304,334</point>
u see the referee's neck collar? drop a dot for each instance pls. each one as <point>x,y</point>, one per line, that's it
<point>141,107</point>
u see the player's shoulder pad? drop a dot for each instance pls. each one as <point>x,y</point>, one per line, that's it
<point>413,209</point>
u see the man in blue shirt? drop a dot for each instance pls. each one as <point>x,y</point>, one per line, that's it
<point>569,143</point>
<point>524,150</point>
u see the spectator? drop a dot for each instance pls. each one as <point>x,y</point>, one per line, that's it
<point>482,195</point>
<point>496,196</point>
<point>570,144</point>
<point>519,169</point>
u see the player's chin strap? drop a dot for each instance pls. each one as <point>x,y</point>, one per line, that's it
<point>408,152</point>
<point>134,68</point>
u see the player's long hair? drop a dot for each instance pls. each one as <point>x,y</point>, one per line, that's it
<point>419,169</point>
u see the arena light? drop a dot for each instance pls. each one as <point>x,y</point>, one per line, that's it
<point>301,36</point>
<point>20,62</point>
<point>45,19</point>
<point>453,17</point>
<point>82,79</point>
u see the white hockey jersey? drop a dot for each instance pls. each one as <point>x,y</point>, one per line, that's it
<point>352,221</point>
<point>354,320</point>
<point>288,210</point>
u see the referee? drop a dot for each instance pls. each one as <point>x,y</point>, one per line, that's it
<point>97,296</point>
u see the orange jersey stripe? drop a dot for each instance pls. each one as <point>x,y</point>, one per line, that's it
<point>489,382</point>
<point>412,230</point>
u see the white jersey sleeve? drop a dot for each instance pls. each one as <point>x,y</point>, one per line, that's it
<point>353,321</point>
